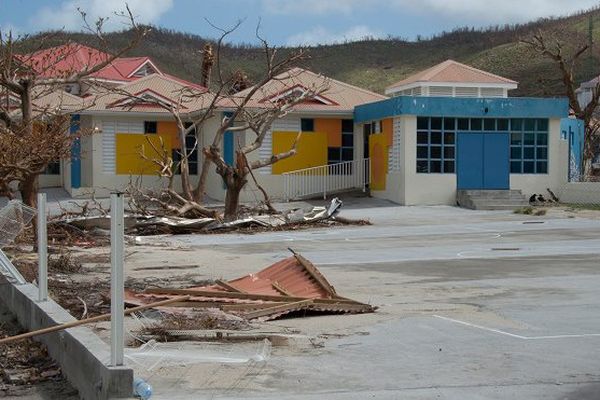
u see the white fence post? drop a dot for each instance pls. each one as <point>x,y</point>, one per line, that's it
<point>117,305</point>
<point>42,242</point>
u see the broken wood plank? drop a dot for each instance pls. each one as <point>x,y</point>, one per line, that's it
<point>243,296</point>
<point>278,309</point>
<point>103,317</point>
<point>314,272</point>
<point>250,306</point>
<point>281,289</point>
<point>228,286</point>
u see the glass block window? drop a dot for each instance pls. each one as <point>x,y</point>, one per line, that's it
<point>529,146</point>
<point>436,139</point>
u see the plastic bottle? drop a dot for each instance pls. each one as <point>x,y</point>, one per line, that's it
<point>142,389</point>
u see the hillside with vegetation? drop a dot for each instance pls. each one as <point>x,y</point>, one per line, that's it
<point>374,64</point>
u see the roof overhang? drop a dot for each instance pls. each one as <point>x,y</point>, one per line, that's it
<point>287,92</point>
<point>510,107</point>
<point>396,89</point>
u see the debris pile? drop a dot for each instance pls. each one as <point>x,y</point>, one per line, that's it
<point>291,287</point>
<point>162,224</point>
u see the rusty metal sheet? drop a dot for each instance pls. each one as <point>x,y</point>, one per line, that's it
<point>288,286</point>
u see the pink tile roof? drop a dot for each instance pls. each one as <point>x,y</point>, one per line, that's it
<point>451,71</point>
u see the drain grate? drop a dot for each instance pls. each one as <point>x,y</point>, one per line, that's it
<point>506,248</point>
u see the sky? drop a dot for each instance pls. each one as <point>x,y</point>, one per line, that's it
<point>288,22</point>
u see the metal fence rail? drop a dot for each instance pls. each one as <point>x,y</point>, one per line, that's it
<point>327,179</point>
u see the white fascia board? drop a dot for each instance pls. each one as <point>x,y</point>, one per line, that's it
<point>316,113</point>
<point>508,86</point>
<point>148,61</point>
<point>131,114</point>
<point>106,80</point>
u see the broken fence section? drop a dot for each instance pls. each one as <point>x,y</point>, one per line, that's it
<point>289,286</point>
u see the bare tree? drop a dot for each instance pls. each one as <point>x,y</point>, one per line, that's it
<point>31,122</point>
<point>567,64</point>
<point>243,115</point>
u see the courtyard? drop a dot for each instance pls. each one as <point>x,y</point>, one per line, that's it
<point>472,305</point>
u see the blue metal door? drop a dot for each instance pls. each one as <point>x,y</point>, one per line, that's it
<point>483,161</point>
<point>469,161</point>
<point>496,161</point>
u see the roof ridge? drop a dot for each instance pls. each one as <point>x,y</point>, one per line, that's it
<point>337,81</point>
<point>430,72</point>
<point>474,69</point>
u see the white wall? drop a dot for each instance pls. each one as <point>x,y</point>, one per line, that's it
<point>407,187</point>
<point>580,193</point>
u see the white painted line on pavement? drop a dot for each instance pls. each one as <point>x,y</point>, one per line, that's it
<point>498,331</point>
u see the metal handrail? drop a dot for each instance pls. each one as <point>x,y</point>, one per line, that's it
<point>326,179</point>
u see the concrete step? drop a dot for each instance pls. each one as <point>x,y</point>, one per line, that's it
<point>491,199</point>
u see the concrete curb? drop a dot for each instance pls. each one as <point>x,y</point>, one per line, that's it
<point>78,351</point>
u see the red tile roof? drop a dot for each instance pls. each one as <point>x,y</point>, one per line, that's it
<point>74,57</point>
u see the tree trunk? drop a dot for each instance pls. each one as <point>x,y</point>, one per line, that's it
<point>198,193</point>
<point>184,167</point>
<point>232,202</point>
<point>28,188</point>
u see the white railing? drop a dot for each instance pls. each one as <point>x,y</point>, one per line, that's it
<point>327,179</point>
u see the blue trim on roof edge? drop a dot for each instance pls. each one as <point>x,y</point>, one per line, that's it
<point>511,107</point>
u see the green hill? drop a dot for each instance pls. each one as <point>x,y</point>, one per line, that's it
<point>374,64</point>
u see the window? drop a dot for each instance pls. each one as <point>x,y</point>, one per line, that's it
<point>336,155</point>
<point>192,152</point>
<point>529,146</point>
<point>307,125</point>
<point>436,138</point>
<point>53,168</point>
<point>150,127</point>
<point>372,127</point>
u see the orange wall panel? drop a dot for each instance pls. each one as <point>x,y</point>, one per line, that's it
<point>169,128</point>
<point>333,128</point>
<point>387,127</point>
<point>378,151</point>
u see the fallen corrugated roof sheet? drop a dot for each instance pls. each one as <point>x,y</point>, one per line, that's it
<point>288,286</point>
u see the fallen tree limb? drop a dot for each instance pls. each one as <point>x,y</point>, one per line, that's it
<point>103,317</point>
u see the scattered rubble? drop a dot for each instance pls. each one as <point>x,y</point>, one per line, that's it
<point>26,363</point>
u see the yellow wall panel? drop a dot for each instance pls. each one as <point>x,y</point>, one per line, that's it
<point>387,127</point>
<point>333,128</point>
<point>170,128</point>
<point>378,151</point>
<point>128,148</point>
<point>311,150</point>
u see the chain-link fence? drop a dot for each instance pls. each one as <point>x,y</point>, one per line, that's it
<point>584,193</point>
<point>13,219</point>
